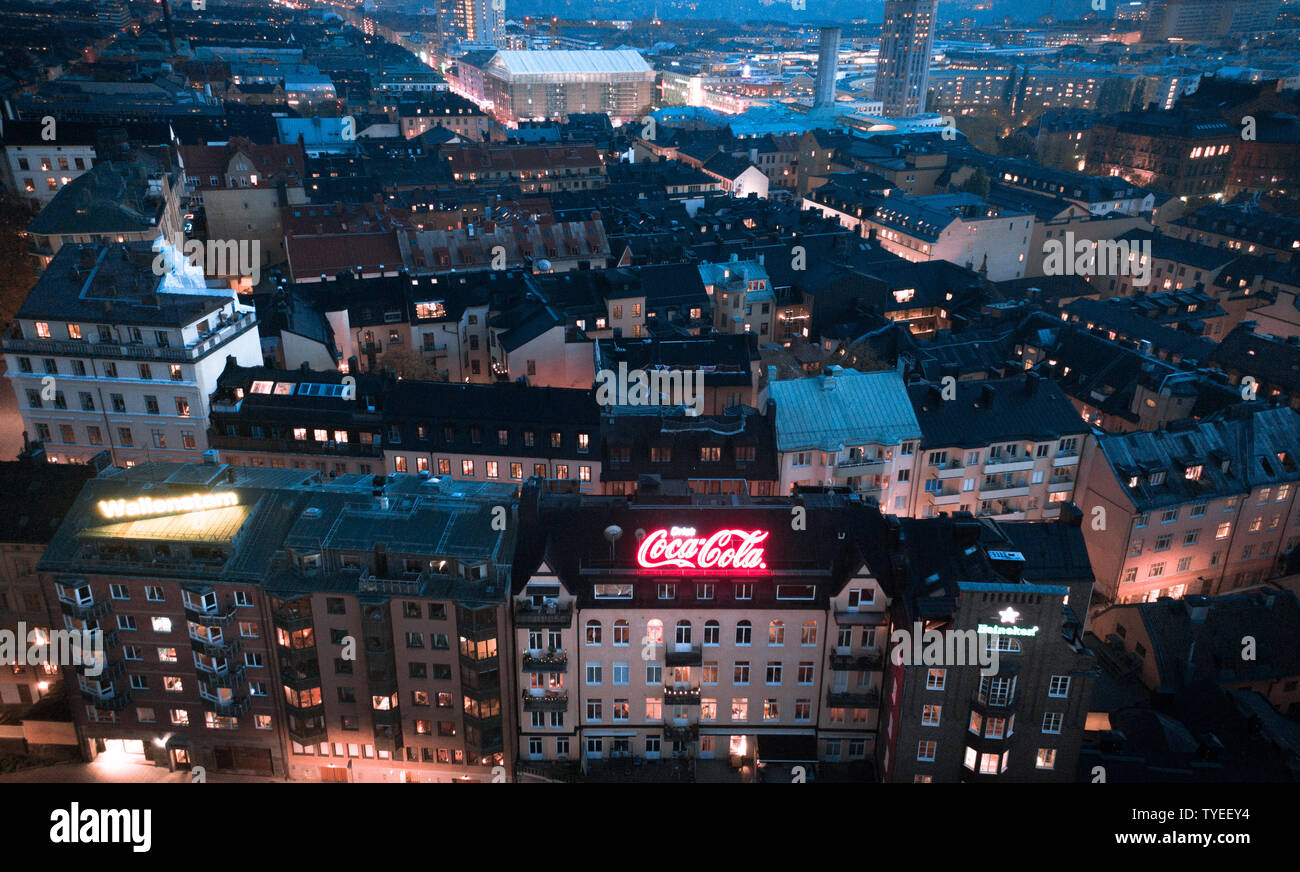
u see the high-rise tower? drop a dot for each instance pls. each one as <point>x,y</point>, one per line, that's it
<point>903,68</point>
<point>827,57</point>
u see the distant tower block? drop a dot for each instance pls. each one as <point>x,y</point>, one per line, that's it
<point>827,58</point>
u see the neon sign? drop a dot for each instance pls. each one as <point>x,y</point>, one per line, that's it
<point>169,506</point>
<point>998,630</point>
<point>726,550</point>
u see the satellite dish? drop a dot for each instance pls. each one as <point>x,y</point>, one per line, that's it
<point>613,532</point>
<point>543,265</point>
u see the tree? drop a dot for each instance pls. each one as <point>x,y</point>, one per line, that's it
<point>17,271</point>
<point>978,183</point>
<point>408,364</point>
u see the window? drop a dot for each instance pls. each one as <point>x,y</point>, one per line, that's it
<point>934,679</point>
<point>776,633</point>
<point>925,750</point>
<point>1059,686</point>
<point>1052,722</point>
<point>1046,758</point>
<point>930,715</point>
<point>593,633</point>
<point>744,633</point>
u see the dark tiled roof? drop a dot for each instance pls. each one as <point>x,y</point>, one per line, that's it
<point>1019,408</point>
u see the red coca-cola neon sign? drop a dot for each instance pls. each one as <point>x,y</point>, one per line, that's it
<point>679,548</point>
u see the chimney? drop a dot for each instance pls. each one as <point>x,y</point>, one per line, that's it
<point>1031,383</point>
<point>986,396</point>
<point>1198,609</point>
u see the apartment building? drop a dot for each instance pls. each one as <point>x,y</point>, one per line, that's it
<point>243,186</point>
<point>536,169</point>
<point>698,628</point>
<point>504,432</point>
<point>42,493</point>
<point>106,355</point>
<point>129,195</point>
<point>742,296</point>
<point>1201,507</point>
<point>1017,589</point>
<point>727,364</point>
<point>1003,448</point>
<point>1100,195</point>
<point>298,419</point>
<point>1172,644</point>
<point>268,622</point>
<point>1179,154</point>
<point>959,228</point>
<point>848,428</point>
<point>733,452</point>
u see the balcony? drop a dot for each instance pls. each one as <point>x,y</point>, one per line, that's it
<point>296,446</point>
<point>110,672</point>
<point>409,584</point>
<point>865,662</point>
<point>551,661</point>
<point>1005,492</point>
<point>529,616</point>
<point>681,695</point>
<point>309,732</point>
<point>291,618</point>
<point>863,699</point>
<point>215,618</point>
<point>138,350</point>
<point>225,649</point>
<point>993,703</point>
<point>1060,486</point>
<point>389,717</point>
<point>234,707</point>
<point>945,497</point>
<point>1016,464</point>
<point>859,465</point>
<point>113,702</point>
<point>1066,460</point>
<point>92,611</point>
<point>551,702</point>
<point>230,678</point>
<point>860,618</point>
<point>388,738</point>
<point>692,656</point>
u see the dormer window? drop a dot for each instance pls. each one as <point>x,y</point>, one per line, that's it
<point>1156,478</point>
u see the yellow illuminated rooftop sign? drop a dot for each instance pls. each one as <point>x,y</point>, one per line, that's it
<point>142,506</point>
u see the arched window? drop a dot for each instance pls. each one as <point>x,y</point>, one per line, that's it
<point>622,632</point>
<point>654,632</point>
<point>776,633</point>
<point>744,633</point>
<point>809,634</point>
<point>712,633</point>
<point>593,632</point>
<point>683,633</point>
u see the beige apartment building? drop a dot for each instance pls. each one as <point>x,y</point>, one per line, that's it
<point>624,653</point>
<point>1003,448</point>
<point>1203,507</point>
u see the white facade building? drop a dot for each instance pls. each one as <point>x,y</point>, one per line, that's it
<point>106,355</point>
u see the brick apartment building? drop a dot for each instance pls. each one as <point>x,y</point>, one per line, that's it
<point>265,621</point>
